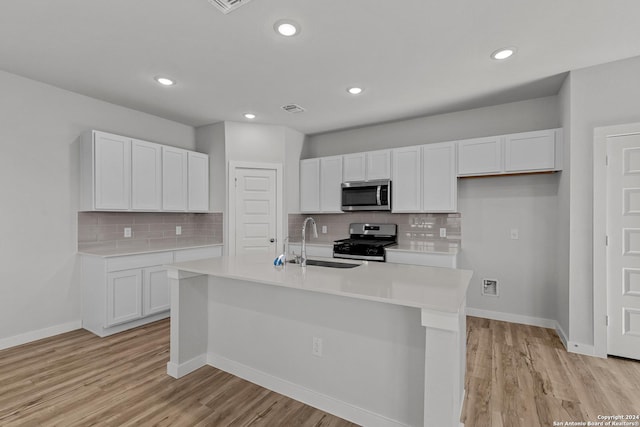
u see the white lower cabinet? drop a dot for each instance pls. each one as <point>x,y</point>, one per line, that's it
<point>124,296</point>
<point>122,292</point>
<point>155,290</point>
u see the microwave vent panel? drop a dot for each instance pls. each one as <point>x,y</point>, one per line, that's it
<point>292,108</point>
<point>226,6</point>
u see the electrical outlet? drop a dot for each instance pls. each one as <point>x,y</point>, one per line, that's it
<point>443,232</point>
<point>324,229</point>
<point>127,232</point>
<point>178,230</point>
<point>316,350</point>
<point>515,234</point>
<point>490,287</point>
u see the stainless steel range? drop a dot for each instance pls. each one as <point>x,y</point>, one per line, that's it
<point>366,241</point>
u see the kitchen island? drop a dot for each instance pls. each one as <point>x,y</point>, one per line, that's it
<point>380,344</point>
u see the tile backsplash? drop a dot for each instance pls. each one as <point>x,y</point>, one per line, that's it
<point>149,230</point>
<point>413,229</point>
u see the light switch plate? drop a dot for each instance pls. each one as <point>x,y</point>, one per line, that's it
<point>178,230</point>
<point>515,234</point>
<point>127,232</point>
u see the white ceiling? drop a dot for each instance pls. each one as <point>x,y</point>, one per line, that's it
<point>413,57</point>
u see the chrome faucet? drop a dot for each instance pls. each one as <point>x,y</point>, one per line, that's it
<point>303,254</point>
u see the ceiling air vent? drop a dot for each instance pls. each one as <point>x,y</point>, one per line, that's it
<point>226,6</point>
<point>292,108</point>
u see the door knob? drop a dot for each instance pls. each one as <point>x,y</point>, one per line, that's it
<point>272,240</point>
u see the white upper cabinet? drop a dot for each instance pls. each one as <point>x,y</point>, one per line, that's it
<point>378,164</point>
<point>533,151</point>
<point>320,185</point>
<point>174,179</point>
<point>354,167</point>
<point>118,173</point>
<point>480,156</point>
<point>146,176</point>
<point>526,152</point>
<point>310,185</point>
<point>406,192</point>
<point>331,184</point>
<point>367,166</point>
<point>198,182</point>
<point>105,172</point>
<point>439,181</point>
<point>424,178</point>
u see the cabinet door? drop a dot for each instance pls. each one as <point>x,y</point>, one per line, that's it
<point>155,290</point>
<point>406,182</point>
<point>146,176</point>
<point>354,167</point>
<point>481,156</point>
<point>379,164</point>
<point>174,179</point>
<point>124,296</point>
<point>112,162</point>
<point>198,182</point>
<point>530,151</point>
<point>331,184</point>
<point>439,180</point>
<point>310,185</point>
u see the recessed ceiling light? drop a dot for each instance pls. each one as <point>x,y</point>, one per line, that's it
<point>355,90</point>
<point>164,81</point>
<point>249,115</point>
<point>503,53</point>
<point>286,28</point>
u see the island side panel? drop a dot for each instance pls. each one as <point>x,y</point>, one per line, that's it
<point>189,322</point>
<point>371,369</point>
<point>445,366</point>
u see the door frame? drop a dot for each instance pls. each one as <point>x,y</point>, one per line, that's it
<point>600,137</point>
<point>231,199</point>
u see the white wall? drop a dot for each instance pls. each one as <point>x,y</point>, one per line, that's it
<point>603,95</point>
<point>525,268</point>
<point>490,207</point>
<point>534,114</point>
<point>250,142</point>
<point>39,184</point>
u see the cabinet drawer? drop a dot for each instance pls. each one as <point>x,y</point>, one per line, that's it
<point>139,261</point>
<point>198,253</point>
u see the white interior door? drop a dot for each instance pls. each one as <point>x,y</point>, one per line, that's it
<point>623,249</point>
<point>255,210</point>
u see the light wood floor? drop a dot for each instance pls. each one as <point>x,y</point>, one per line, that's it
<point>78,379</point>
<point>516,376</point>
<point>521,375</point>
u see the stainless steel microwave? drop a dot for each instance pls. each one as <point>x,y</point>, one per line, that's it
<point>366,195</point>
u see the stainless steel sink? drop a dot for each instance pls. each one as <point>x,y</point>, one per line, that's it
<point>331,264</point>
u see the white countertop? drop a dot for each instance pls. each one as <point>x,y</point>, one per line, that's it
<point>114,252</point>
<point>441,289</point>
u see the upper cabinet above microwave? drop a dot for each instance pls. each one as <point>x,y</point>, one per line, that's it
<point>527,152</point>
<point>368,166</point>
<point>118,173</point>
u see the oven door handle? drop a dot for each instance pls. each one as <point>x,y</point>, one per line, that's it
<point>378,201</point>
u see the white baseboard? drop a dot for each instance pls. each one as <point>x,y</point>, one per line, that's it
<point>310,397</point>
<point>510,317</point>
<point>180,370</point>
<point>563,336</point>
<point>579,348</point>
<point>28,337</point>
